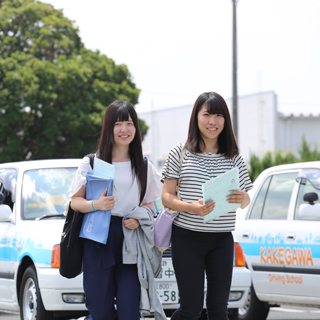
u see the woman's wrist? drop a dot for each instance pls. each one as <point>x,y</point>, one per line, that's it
<point>189,207</point>
<point>92,207</point>
<point>246,202</point>
<point>186,207</point>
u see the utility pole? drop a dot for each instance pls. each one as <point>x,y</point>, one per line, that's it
<point>234,71</point>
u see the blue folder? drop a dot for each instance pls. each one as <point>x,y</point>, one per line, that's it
<point>95,225</point>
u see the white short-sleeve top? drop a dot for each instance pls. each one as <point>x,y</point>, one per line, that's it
<point>126,187</point>
<point>196,169</point>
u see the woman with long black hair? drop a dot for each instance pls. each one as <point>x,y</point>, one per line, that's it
<point>106,278</point>
<point>200,248</point>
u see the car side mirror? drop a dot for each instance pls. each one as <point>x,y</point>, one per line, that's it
<point>5,212</point>
<point>311,209</point>
<point>310,197</point>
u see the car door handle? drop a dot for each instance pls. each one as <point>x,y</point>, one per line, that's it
<point>246,235</point>
<point>291,236</point>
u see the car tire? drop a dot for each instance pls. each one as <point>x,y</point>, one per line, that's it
<point>31,306</point>
<point>254,308</point>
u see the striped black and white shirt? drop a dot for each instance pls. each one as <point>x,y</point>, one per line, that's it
<point>196,169</point>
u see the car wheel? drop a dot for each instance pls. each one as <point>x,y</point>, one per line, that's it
<point>31,306</point>
<point>253,309</point>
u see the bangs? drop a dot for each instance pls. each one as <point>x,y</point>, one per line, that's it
<point>123,114</point>
<point>214,106</point>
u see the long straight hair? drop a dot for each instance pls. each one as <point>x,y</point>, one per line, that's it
<point>120,110</point>
<point>215,104</point>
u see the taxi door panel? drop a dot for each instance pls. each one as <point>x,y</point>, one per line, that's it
<point>7,254</point>
<point>303,258</point>
<point>265,230</point>
<point>303,248</point>
<point>265,254</point>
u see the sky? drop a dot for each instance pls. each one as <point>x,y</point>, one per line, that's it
<point>177,49</point>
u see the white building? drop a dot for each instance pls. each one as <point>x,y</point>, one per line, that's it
<point>261,128</point>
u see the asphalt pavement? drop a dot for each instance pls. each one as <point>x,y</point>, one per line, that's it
<point>284,313</point>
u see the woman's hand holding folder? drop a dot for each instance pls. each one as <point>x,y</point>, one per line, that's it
<point>239,196</point>
<point>104,203</point>
<point>95,225</point>
<point>201,209</point>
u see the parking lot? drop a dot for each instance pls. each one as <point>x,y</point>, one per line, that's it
<point>284,313</point>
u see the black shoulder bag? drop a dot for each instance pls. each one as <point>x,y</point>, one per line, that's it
<point>71,245</point>
<point>143,193</point>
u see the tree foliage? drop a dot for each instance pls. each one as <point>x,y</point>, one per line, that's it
<point>36,28</point>
<point>306,151</point>
<point>308,154</point>
<point>53,91</point>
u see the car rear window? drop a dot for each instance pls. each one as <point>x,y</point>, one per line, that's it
<point>45,191</point>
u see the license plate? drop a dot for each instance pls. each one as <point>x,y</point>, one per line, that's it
<point>168,292</point>
<point>167,271</point>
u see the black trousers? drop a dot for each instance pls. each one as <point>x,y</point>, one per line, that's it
<point>195,254</point>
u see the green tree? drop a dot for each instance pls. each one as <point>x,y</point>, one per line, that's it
<point>53,95</point>
<point>255,166</point>
<point>306,153</point>
<point>36,28</point>
<point>270,159</point>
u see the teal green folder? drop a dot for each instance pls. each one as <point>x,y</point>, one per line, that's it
<point>217,189</point>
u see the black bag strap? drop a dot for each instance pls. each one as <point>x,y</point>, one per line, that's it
<point>143,193</point>
<point>91,157</point>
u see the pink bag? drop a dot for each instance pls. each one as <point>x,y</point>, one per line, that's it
<point>163,228</point>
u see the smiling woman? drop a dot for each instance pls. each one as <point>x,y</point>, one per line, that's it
<point>211,150</point>
<point>210,126</point>
<point>113,275</point>
<point>124,132</point>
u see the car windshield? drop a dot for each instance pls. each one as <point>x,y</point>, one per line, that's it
<point>311,175</point>
<point>45,192</point>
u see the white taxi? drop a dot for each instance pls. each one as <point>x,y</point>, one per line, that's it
<point>33,195</point>
<point>280,235</point>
